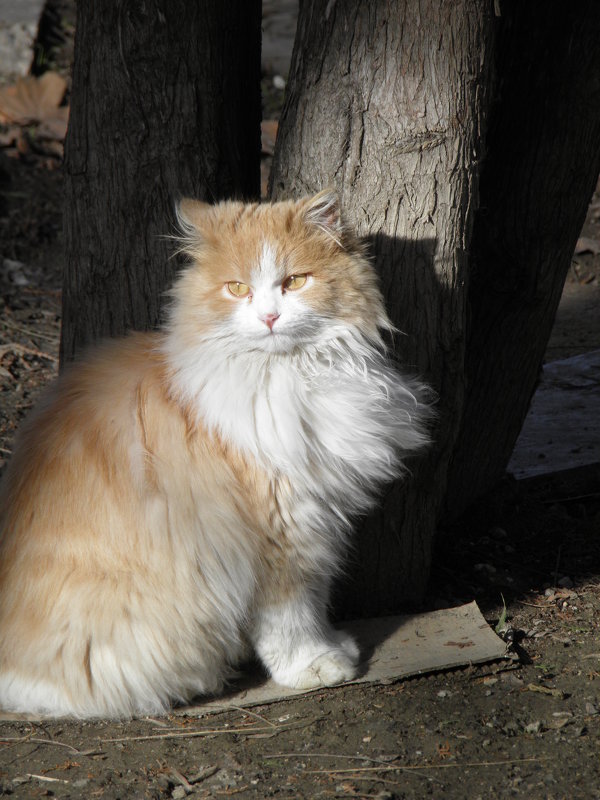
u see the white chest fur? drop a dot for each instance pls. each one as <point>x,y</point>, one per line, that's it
<point>335,418</point>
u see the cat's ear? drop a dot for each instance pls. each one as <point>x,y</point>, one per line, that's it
<point>192,214</point>
<point>323,211</point>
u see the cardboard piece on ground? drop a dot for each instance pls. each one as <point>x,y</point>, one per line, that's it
<point>392,648</point>
<point>562,429</point>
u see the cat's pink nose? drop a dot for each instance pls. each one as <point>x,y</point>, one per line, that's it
<point>270,320</point>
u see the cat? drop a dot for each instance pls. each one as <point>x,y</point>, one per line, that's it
<point>182,495</point>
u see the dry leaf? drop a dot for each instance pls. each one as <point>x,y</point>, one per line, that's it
<point>38,100</point>
<point>55,127</point>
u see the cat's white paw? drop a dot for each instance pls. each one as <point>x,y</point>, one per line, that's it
<point>328,669</point>
<point>348,645</point>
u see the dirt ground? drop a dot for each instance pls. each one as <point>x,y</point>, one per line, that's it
<point>526,727</point>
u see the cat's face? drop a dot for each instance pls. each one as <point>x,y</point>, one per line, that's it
<point>274,277</point>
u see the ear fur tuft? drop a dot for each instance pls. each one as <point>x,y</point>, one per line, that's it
<point>191,213</point>
<point>323,211</point>
<point>191,220</point>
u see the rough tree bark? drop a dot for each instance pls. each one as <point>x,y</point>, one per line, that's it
<point>165,102</point>
<point>542,163</point>
<point>385,102</point>
<point>390,102</point>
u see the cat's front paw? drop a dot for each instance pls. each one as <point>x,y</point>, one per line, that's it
<point>328,669</point>
<point>348,645</point>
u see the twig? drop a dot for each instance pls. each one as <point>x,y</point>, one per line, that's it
<point>28,332</point>
<point>382,762</point>
<point>15,347</point>
<point>46,778</point>
<point>534,687</point>
<point>425,766</point>
<point>336,755</point>
<point>15,739</point>
<point>253,714</point>
<point>271,728</point>
<point>179,776</point>
<point>21,739</point>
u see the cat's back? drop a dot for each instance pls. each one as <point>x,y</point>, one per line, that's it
<point>79,433</point>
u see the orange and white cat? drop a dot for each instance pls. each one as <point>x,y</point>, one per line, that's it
<point>182,494</point>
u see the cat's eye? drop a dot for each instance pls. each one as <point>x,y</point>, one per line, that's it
<point>294,282</point>
<point>238,289</point>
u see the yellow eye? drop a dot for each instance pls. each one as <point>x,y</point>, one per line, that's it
<point>294,282</point>
<point>238,289</point>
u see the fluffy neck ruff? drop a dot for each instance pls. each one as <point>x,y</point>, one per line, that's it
<point>335,417</point>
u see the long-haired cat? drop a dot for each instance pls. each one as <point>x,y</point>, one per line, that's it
<point>181,494</point>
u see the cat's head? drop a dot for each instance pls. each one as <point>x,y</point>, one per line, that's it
<point>274,277</point>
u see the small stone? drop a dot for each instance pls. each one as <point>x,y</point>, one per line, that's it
<point>566,641</point>
<point>80,783</point>
<point>533,727</point>
<point>511,728</point>
<point>511,679</point>
<point>591,710</point>
<point>565,582</point>
<point>178,793</point>
<point>444,693</point>
<point>580,730</point>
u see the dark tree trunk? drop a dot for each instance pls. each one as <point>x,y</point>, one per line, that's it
<point>543,158</point>
<point>386,103</point>
<point>165,103</point>
<point>390,102</point>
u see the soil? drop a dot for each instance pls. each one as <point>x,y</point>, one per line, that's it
<point>526,727</point>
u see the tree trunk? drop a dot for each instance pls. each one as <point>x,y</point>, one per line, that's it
<point>543,158</point>
<point>165,103</point>
<point>385,102</point>
<point>388,103</point>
